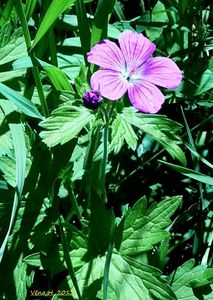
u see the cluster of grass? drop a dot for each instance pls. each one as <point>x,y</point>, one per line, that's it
<point>106,203</point>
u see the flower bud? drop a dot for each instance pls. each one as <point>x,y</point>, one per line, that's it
<point>92,98</point>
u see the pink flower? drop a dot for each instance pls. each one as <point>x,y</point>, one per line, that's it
<point>131,68</point>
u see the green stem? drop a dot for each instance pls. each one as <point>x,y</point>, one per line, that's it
<point>36,75</point>
<point>106,271</point>
<point>68,259</point>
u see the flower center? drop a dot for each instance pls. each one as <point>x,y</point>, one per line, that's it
<point>131,74</point>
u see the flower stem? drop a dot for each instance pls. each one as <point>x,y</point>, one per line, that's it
<point>35,70</point>
<point>68,259</point>
<point>106,271</point>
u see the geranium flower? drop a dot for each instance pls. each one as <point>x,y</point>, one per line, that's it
<point>131,68</point>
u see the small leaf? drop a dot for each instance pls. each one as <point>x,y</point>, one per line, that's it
<point>122,131</point>
<point>20,101</point>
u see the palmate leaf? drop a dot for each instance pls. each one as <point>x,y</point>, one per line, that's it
<point>145,228</point>
<point>188,280</point>
<point>128,279</point>
<point>14,49</point>
<point>122,131</point>
<point>161,129</point>
<point>64,124</point>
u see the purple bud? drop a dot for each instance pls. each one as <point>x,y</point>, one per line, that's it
<point>92,98</point>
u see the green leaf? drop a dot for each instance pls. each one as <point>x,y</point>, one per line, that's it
<point>20,101</point>
<point>160,129</point>
<point>187,277</point>
<point>17,133</point>
<point>14,49</point>
<point>205,83</point>
<point>30,7</point>
<point>9,75</point>
<point>144,228</point>
<point>58,78</point>
<point>158,15</point>
<point>190,173</point>
<point>22,279</point>
<point>102,222</point>
<point>83,25</point>
<point>54,11</point>
<point>64,124</point>
<point>33,259</point>
<point>122,131</point>
<point>128,279</point>
<point>101,18</point>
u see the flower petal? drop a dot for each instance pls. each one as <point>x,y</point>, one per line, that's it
<point>136,48</point>
<point>162,71</point>
<point>145,96</point>
<point>110,83</point>
<point>107,55</point>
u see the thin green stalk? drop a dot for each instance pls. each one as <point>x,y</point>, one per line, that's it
<point>68,259</point>
<point>36,75</point>
<point>106,271</point>
<point>104,158</point>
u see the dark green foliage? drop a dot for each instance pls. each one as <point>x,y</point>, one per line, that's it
<point>71,223</point>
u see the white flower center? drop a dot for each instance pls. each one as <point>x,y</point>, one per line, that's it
<point>131,75</point>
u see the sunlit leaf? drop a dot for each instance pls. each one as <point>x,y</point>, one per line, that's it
<point>55,9</point>
<point>20,101</point>
<point>64,124</point>
<point>144,228</point>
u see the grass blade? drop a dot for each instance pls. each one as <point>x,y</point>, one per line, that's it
<point>17,133</point>
<point>55,10</point>
<point>27,107</point>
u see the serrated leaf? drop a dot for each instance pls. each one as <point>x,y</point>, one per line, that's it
<point>20,101</point>
<point>160,129</point>
<point>188,277</point>
<point>144,228</point>
<point>122,131</point>
<point>15,49</point>
<point>64,124</point>
<point>55,9</point>
<point>128,279</point>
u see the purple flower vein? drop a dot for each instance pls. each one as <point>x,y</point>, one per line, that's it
<point>131,68</point>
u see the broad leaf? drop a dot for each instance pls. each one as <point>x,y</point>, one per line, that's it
<point>161,129</point>
<point>64,124</point>
<point>128,279</point>
<point>145,228</point>
<point>187,277</point>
